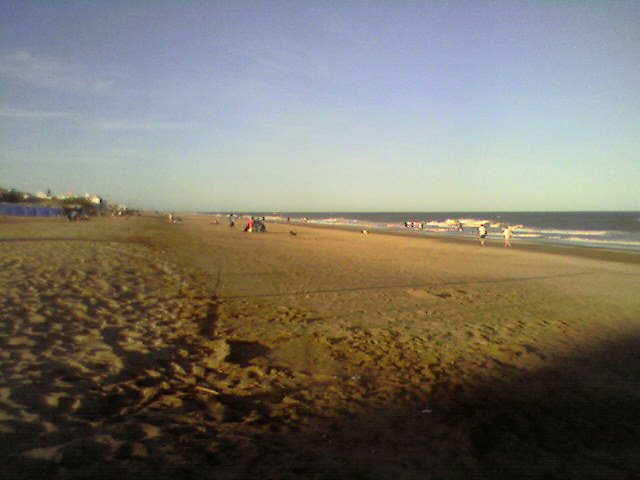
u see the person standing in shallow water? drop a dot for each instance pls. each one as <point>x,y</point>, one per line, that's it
<point>482,234</point>
<point>507,233</point>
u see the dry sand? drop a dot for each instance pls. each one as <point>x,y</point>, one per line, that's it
<point>143,349</point>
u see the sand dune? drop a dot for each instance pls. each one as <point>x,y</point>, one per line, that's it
<point>144,349</point>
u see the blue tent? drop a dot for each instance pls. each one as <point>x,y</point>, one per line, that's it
<point>29,210</point>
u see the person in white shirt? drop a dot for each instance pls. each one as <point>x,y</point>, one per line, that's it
<point>482,234</point>
<point>507,233</point>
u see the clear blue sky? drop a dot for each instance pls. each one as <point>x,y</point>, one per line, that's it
<point>276,106</point>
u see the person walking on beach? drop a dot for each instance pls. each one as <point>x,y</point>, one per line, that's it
<point>507,233</point>
<point>482,234</point>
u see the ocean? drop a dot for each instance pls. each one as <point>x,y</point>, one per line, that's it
<point>612,230</point>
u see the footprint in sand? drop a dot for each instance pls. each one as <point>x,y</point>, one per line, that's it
<point>443,295</point>
<point>426,294</point>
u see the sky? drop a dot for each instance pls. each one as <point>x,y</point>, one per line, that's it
<point>324,105</point>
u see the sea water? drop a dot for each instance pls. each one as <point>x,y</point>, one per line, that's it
<point>612,230</point>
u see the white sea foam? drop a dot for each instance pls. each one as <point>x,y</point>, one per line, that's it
<point>473,222</point>
<point>590,233</point>
<point>338,221</point>
<point>437,224</point>
<point>612,242</point>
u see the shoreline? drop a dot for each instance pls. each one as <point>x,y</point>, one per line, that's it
<point>601,230</point>
<point>590,252</point>
<point>580,251</point>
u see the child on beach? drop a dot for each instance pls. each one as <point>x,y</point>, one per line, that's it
<point>507,236</point>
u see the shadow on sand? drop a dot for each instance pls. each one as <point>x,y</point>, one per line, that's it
<point>575,419</point>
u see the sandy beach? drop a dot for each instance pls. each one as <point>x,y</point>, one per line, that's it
<point>143,349</point>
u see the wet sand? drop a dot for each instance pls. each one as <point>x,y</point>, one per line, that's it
<point>143,349</point>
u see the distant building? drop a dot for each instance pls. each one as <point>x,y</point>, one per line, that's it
<point>95,199</point>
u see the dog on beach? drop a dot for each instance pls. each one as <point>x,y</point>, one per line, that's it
<point>365,232</point>
<point>292,233</point>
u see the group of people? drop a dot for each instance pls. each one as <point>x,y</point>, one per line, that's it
<point>507,233</point>
<point>173,218</point>
<point>419,225</point>
<point>75,215</point>
<point>253,224</point>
